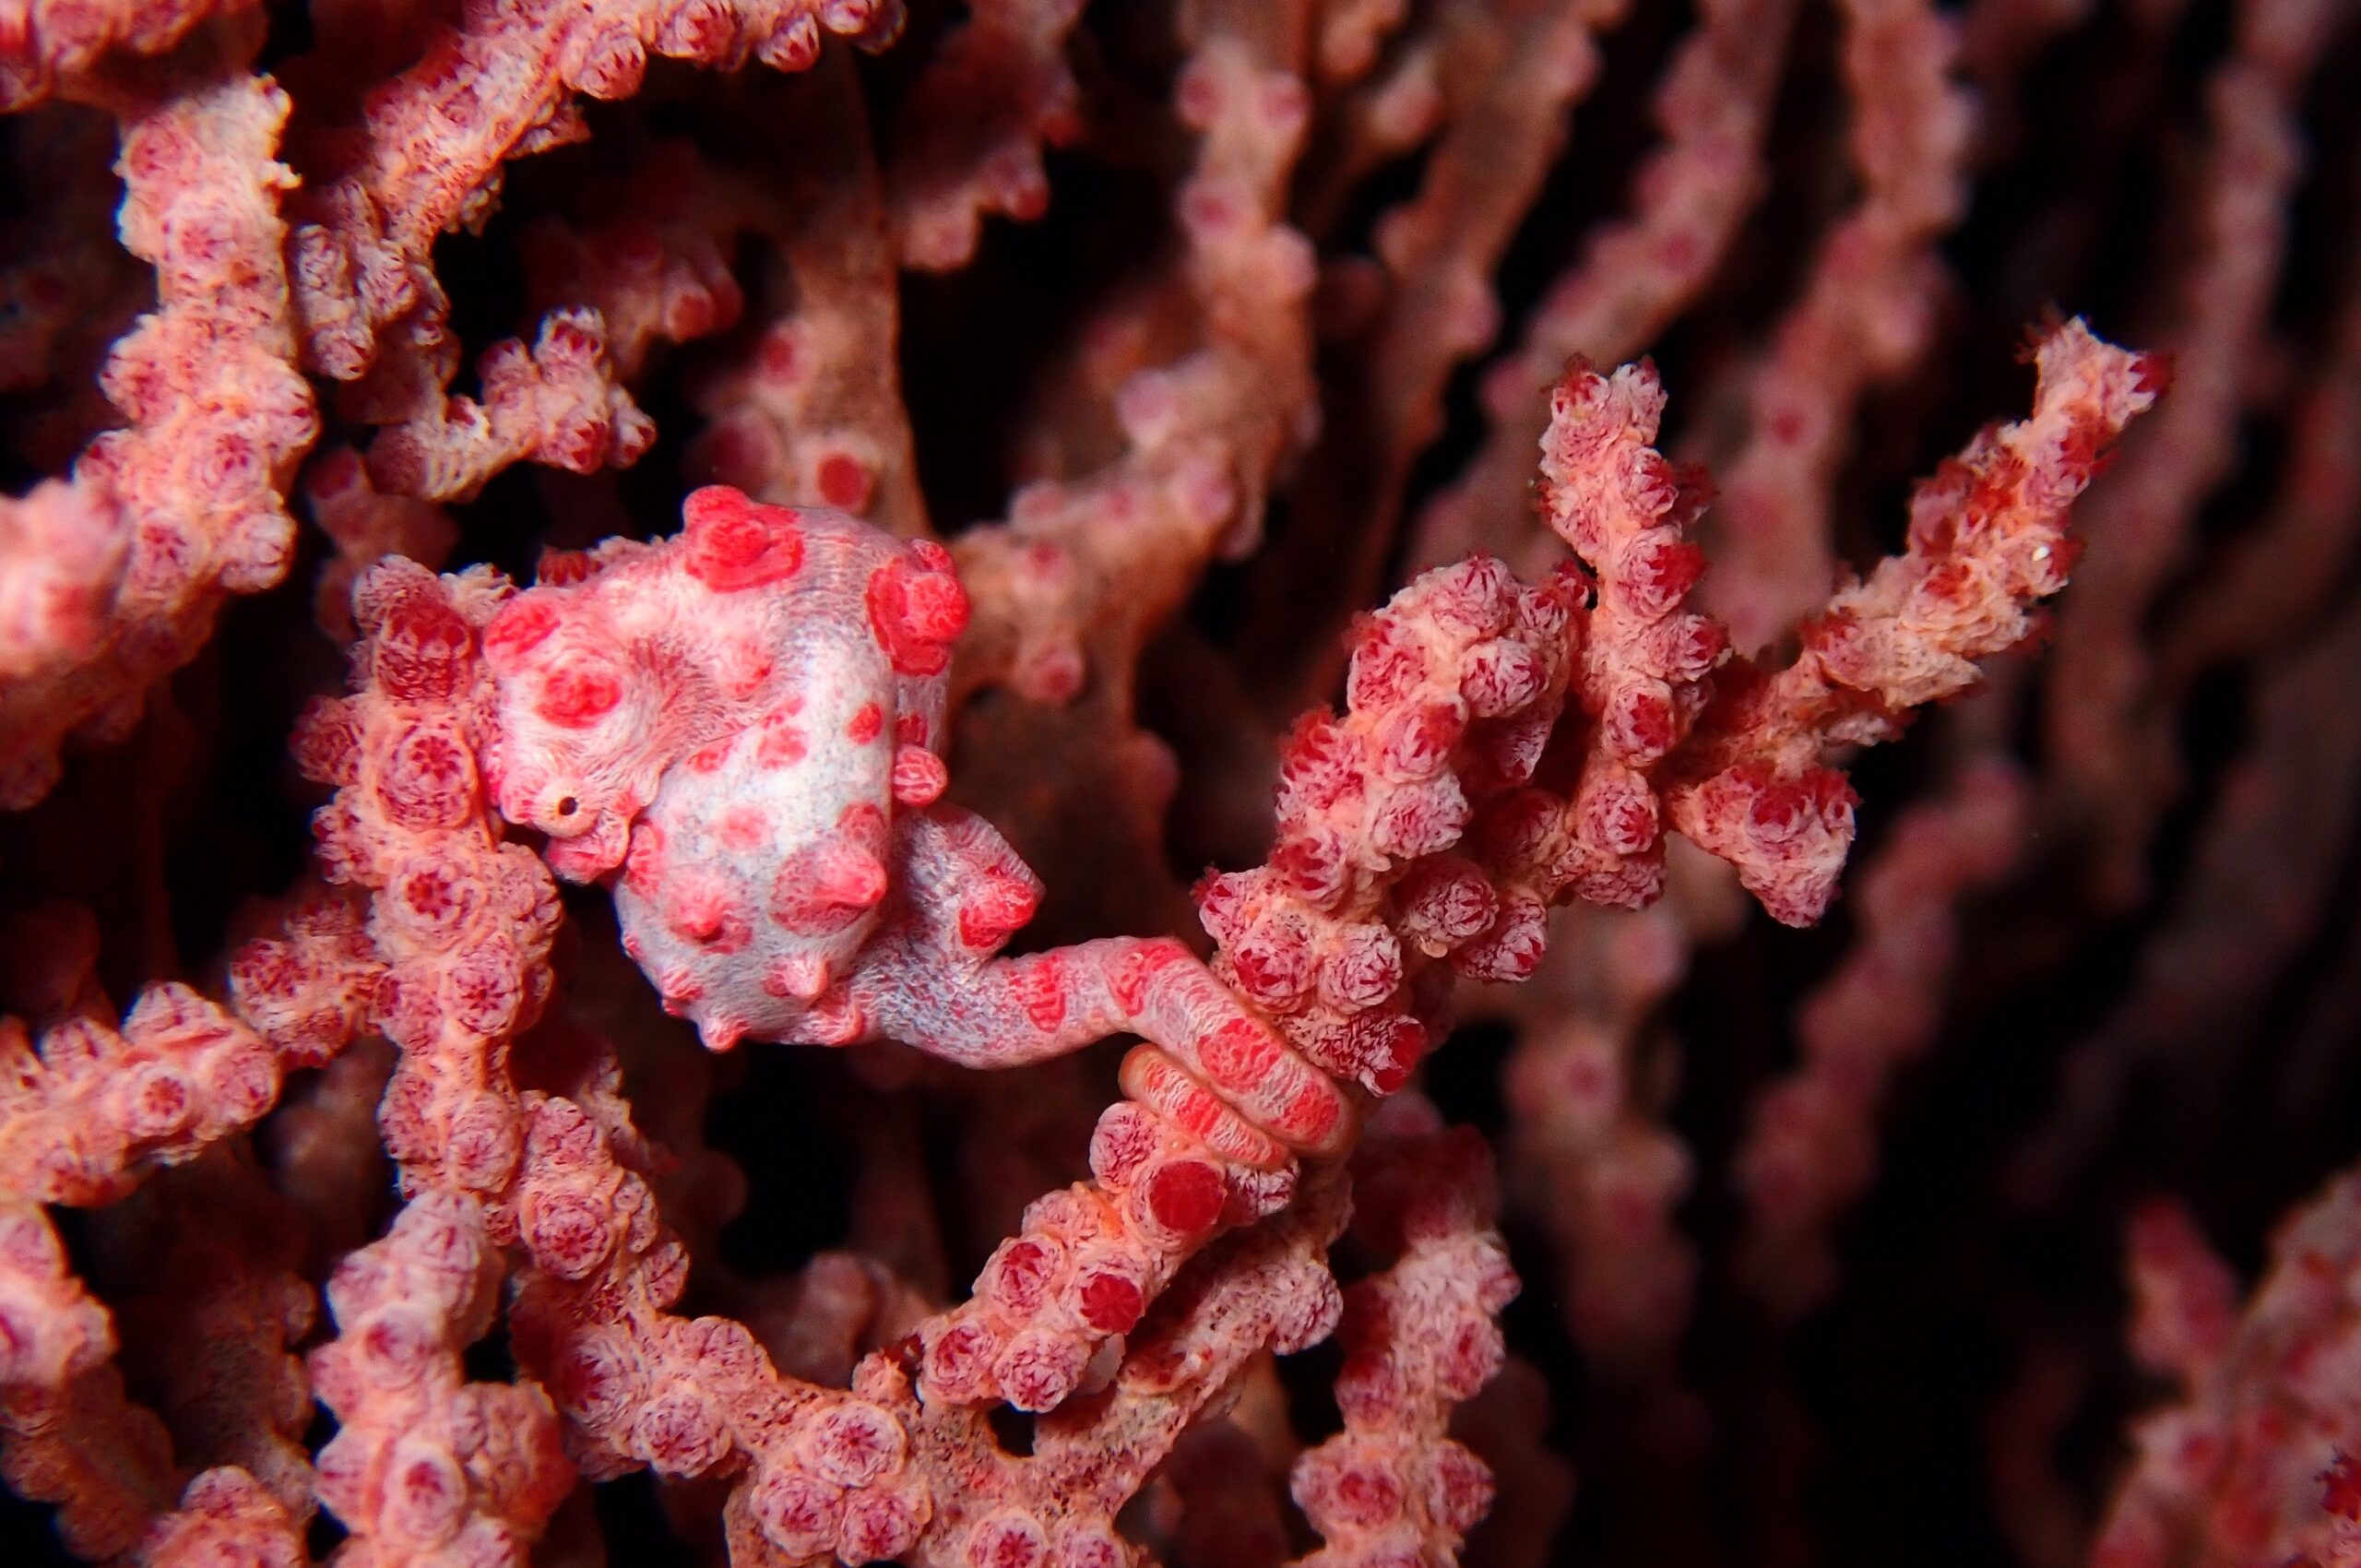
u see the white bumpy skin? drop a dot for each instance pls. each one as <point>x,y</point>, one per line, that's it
<point>730,716</point>
<point>739,728</point>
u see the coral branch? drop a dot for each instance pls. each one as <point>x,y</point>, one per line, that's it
<point>1207,388</point>
<point>1508,75</point>
<point>995,92</point>
<point>210,1335</point>
<point>58,45</point>
<point>1689,197</point>
<point>185,506</point>
<point>557,402</point>
<point>1607,493</point>
<point>225,1516</point>
<point>2114,775</point>
<point>1864,316</point>
<point>1266,1289</point>
<point>70,1436</point>
<point>427,155</point>
<point>1420,1340</point>
<point>2252,1464</point>
<point>1587,1085</point>
<point>1810,1144</point>
<point>80,1119</point>
<point>814,417</point>
<point>2285,570</point>
<point>426,1462</point>
<point>1987,540</point>
<point>1453,692</point>
<point>656,268</point>
<point>2256,884</point>
<point>1452,689</point>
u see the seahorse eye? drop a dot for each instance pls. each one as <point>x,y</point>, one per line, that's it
<point>563,810</point>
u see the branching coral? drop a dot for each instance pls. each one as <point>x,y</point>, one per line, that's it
<point>1045,394</point>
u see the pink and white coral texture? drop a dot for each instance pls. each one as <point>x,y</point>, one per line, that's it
<point>991,784</point>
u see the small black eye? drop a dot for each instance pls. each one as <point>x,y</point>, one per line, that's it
<point>568,806</point>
